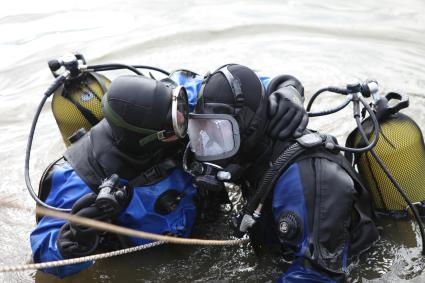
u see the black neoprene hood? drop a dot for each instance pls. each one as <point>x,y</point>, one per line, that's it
<point>135,104</point>
<point>242,96</point>
<point>141,101</point>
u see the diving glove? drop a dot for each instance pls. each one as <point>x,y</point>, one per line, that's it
<point>285,109</point>
<point>77,240</point>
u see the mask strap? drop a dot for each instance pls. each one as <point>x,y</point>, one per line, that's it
<point>201,92</point>
<point>236,87</point>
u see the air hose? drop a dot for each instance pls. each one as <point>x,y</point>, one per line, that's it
<point>326,89</point>
<point>133,68</point>
<point>55,85</point>
<point>331,110</point>
<point>356,110</point>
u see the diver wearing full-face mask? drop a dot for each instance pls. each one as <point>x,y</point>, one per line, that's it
<point>316,208</point>
<point>125,170</point>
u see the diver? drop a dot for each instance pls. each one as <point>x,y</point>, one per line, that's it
<point>314,210</point>
<point>124,170</point>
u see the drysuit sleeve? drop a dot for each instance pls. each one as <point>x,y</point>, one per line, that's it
<point>312,207</point>
<point>66,189</point>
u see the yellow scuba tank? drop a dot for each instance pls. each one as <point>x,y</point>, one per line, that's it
<point>77,103</point>
<point>401,147</point>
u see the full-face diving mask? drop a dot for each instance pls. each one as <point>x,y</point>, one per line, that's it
<point>213,136</point>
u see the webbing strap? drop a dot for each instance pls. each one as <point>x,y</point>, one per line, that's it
<point>154,173</point>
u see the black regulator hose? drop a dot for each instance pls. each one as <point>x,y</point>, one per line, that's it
<point>296,149</point>
<point>109,67</point>
<point>56,84</point>
<point>331,110</point>
<point>152,68</point>
<point>395,183</point>
<point>272,173</point>
<point>133,68</point>
<point>320,91</point>
<point>356,99</point>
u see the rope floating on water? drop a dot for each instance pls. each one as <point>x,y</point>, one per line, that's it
<point>133,233</point>
<point>161,239</point>
<point>48,264</point>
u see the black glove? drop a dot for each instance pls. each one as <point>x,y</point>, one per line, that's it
<point>285,110</point>
<point>76,240</point>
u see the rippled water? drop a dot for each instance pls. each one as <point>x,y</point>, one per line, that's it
<point>326,42</point>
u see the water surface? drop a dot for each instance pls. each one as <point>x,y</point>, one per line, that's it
<point>326,42</point>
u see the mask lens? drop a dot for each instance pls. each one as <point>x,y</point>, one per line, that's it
<point>213,138</point>
<point>180,112</point>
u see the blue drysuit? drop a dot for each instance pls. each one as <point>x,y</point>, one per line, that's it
<point>67,187</point>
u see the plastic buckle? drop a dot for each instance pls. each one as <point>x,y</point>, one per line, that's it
<point>310,140</point>
<point>152,174</point>
<point>161,135</point>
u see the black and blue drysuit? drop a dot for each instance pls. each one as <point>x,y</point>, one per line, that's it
<point>322,197</point>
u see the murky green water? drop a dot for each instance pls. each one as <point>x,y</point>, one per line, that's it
<point>326,42</point>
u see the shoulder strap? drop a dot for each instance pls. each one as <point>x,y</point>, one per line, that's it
<point>155,173</point>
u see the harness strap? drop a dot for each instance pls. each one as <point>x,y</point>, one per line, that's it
<point>155,173</point>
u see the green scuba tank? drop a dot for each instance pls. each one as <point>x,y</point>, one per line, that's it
<point>77,103</point>
<point>401,148</point>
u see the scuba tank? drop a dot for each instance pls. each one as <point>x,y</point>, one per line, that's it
<point>401,147</point>
<point>76,104</point>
